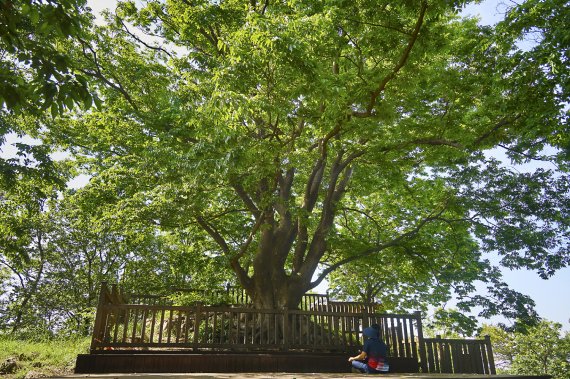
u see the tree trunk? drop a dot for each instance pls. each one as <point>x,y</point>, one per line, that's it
<point>272,288</point>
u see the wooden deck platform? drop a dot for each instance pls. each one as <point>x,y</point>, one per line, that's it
<point>122,362</point>
<point>147,333</point>
<point>278,375</point>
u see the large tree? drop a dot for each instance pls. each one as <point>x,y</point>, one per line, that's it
<point>300,136</point>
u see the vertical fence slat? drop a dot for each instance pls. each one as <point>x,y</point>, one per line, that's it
<point>126,325</point>
<point>489,350</point>
<point>134,331</point>
<point>413,340</point>
<point>186,326</point>
<point>430,358</point>
<point>152,326</point>
<point>418,318</point>
<point>447,359</point>
<point>401,352</point>
<point>407,347</point>
<point>169,326</point>
<point>178,320</point>
<point>116,326</point>
<point>143,325</point>
<point>161,326</point>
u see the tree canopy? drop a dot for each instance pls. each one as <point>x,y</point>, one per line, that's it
<point>290,140</point>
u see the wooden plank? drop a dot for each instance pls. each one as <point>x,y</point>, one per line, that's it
<point>485,361</point>
<point>100,317</point>
<point>320,325</point>
<point>161,328</point>
<point>489,349</point>
<point>169,328</point>
<point>126,325</point>
<point>116,331</point>
<point>152,325</point>
<point>418,318</point>
<point>407,347</point>
<point>430,358</point>
<point>413,340</point>
<point>393,337</point>
<point>477,359</point>
<point>186,326</point>
<point>400,337</point>
<point>231,336</point>
<point>143,325</point>
<point>134,330</point>
<point>178,321</point>
<point>217,328</point>
<point>204,335</point>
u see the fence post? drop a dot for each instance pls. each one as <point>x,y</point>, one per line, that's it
<point>422,346</point>
<point>99,328</point>
<point>489,349</point>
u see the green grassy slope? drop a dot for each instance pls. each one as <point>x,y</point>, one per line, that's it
<point>40,359</point>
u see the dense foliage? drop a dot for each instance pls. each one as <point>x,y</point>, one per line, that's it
<point>541,350</point>
<point>274,144</point>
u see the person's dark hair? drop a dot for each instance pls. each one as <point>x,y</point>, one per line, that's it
<point>370,333</point>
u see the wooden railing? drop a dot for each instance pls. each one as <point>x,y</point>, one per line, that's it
<point>229,295</point>
<point>120,325</point>
<point>454,356</point>
<point>237,296</point>
<point>320,325</point>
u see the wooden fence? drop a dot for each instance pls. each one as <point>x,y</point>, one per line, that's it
<point>122,325</point>
<point>320,326</point>
<point>229,295</point>
<point>453,356</point>
<point>237,296</point>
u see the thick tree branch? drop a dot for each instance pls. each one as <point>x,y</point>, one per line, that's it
<point>360,211</point>
<point>495,128</point>
<point>285,185</point>
<point>313,185</point>
<point>15,271</point>
<point>401,63</point>
<point>437,142</point>
<point>376,249</point>
<point>246,199</point>
<point>244,279</point>
<point>214,234</point>
<point>92,57</point>
<point>286,232</point>
<point>210,37</point>
<point>139,40</point>
<point>317,247</point>
<point>389,27</point>
<point>528,156</point>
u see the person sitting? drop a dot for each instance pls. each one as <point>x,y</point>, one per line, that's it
<point>372,359</point>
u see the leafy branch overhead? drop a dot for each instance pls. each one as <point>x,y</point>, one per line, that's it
<point>296,139</point>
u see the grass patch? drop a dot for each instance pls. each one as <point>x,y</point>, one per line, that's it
<point>41,359</point>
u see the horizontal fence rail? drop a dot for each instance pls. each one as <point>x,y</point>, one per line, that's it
<point>453,356</point>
